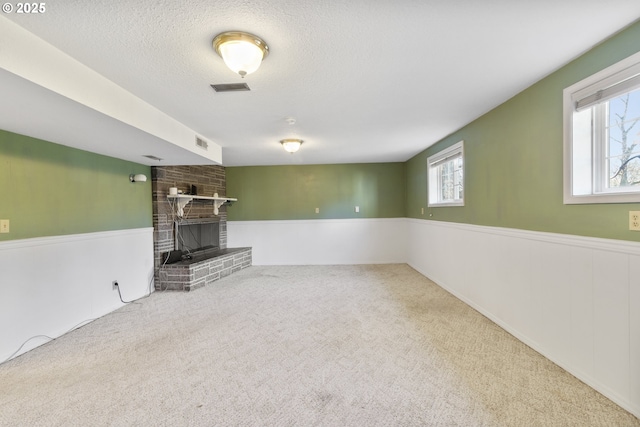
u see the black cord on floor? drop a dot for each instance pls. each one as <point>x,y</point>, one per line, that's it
<point>46,336</point>
<point>150,287</point>
<point>128,302</point>
<point>90,320</point>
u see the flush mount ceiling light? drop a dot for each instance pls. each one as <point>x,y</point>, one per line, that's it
<point>291,145</point>
<point>242,52</point>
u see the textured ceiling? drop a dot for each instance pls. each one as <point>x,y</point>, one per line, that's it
<point>366,81</point>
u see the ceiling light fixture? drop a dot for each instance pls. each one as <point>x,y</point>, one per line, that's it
<point>291,145</point>
<point>242,52</point>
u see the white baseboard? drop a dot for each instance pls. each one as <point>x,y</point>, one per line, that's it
<point>50,285</point>
<point>576,300</point>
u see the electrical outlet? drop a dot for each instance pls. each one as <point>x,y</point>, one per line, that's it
<point>114,285</point>
<point>4,225</point>
<point>421,211</point>
<point>634,220</point>
<point>317,210</point>
<point>357,209</point>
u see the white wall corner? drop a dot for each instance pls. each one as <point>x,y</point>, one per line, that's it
<point>25,55</point>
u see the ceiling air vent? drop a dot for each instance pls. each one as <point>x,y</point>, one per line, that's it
<point>149,156</point>
<point>231,87</point>
<point>202,143</point>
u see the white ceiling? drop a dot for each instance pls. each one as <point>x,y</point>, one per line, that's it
<point>366,80</point>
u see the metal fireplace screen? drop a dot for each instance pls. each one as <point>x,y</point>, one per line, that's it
<point>197,235</point>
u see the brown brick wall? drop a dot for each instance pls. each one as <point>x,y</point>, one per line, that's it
<point>208,180</point>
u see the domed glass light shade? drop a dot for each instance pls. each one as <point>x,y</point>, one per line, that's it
<point>291,145</point>
<point>242,52</point>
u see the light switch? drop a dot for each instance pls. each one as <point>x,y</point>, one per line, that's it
<point>357,209</point>
<point>4,225</point>
<point>317,210</point>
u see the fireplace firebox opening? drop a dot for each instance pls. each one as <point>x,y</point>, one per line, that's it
<point>194,237</point>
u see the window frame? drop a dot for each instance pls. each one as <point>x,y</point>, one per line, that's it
<point>616,73</point>
<point>435,160</point>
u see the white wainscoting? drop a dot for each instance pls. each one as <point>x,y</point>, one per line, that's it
<point>576,300</point>
<point>324,241</point>
<point>50,285</point>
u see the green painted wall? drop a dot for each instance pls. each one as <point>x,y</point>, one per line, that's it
<point>293,192</point>
<point>513,176</point>
<point>514,163</point>
<point>48,189</point>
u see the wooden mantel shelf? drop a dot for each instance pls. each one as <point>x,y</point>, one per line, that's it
<point>183,200</point>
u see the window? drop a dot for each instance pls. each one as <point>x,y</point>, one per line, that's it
<point>446,176</point>
<point>602,136</point>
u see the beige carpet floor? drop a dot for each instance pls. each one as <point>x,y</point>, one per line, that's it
<point>297,346</point>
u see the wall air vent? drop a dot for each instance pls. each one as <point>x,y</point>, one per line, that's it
<point>231,87</point>
<point>202,143</point>
<point>149,156</point>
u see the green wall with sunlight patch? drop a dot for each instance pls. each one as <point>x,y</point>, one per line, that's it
<point>514,160</point>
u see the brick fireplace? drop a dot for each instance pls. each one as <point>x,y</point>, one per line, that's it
<point>202,269</point>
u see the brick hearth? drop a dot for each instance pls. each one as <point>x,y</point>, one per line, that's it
<point>192,274</point>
